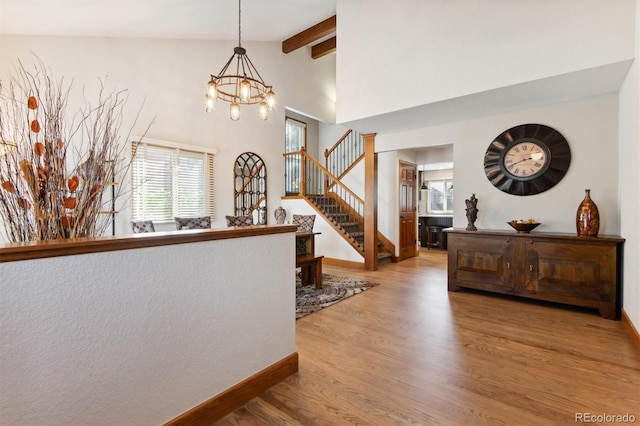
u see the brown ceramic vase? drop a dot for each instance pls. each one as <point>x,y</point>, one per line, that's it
<point>587,217</point>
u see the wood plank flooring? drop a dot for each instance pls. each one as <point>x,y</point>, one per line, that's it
<point>407,352</point>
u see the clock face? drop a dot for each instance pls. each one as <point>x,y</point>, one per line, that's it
<point>527,159</point>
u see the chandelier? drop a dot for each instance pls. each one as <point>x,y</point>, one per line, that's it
<point>240,85</point>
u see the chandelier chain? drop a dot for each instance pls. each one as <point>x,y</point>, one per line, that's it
<point>239,24</point>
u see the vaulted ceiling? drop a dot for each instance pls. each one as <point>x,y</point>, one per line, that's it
<point>262,20</point>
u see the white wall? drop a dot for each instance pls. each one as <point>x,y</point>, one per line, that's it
<point>591,128</point>
<point>629,175</point>
<point>435,155</point>
<point>138,337</point>
<point>388,188</point>
<point>453,49</point>
<point>169,77</point>
<point>388,202</point>
<point>329,135</point>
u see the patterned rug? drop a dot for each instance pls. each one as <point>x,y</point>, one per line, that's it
<point>334,289</point>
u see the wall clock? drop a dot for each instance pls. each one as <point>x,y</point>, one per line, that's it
<point>527,159</point>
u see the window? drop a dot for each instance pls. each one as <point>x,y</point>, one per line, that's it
<point>169,181</point>
<point>295,140</point>
<point>440,196</point>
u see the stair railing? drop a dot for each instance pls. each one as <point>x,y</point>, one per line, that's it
<point>311,178</point>
<point>344,154</point>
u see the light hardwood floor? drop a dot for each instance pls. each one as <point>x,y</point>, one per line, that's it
<point>409,352</point>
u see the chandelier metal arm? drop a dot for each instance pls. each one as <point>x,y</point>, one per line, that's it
<point>226,66</point>
<point>252,67</point>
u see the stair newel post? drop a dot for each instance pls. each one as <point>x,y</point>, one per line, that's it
<point>370,203</point>
<point>326,178</point>
<point>303,173</point>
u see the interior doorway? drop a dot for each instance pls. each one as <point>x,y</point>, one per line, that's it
<point>408,212</point>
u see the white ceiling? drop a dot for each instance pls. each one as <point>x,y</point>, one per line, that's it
<point>275,21</point>
<point>262,20</point>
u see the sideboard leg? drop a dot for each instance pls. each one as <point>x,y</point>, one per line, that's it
<point>608,311</point>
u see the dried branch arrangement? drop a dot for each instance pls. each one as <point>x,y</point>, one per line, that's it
<point>53,168</point>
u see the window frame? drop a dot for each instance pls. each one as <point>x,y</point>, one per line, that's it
<point>175,149</point>
<point>292,162</point>
<point>447,209</point>
<point>301,124</point>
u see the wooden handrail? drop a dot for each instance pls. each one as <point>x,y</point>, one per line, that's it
<point>328,152</point>
<point>348,169</point>
<point>326,172</point>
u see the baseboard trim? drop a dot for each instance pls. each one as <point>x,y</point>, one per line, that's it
<point>345,263</point>
<point>631,330</point>
<point>224,403</point>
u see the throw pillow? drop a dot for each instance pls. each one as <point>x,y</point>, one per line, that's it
<point>142,226</point>
<point>304,222</point>
<point>239,220</point>
<point>192,222</point>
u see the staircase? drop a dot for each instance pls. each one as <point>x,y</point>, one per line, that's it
<point>341,218</point>
<point>327,194</point>
<point>348,222</point>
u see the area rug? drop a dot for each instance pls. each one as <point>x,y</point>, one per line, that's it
<point>334,289</point>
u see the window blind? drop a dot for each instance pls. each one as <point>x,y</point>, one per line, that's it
<point>170,182</point>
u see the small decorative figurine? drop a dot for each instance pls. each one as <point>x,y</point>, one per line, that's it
<point>472,212</point>
<point>280,214</point>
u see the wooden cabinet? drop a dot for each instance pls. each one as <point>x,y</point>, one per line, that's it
<point>580,271</point>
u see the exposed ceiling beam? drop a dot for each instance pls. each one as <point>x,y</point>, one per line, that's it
<point>323,48</point>
<point>311,34</point>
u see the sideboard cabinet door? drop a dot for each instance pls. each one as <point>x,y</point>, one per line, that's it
<point>575,274</point>
<point>483,263</point>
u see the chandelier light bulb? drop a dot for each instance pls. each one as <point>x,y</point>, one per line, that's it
<point>235,111</point>
<point>211,103</point>
<point>212,89</point>
<point>245,90</point>
<point>271,99</point>
<point>264,111</point>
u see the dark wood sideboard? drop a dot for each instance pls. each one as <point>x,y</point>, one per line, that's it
<point>562,268</point>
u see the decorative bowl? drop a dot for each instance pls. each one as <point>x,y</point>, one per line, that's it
<point>523,227</point>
